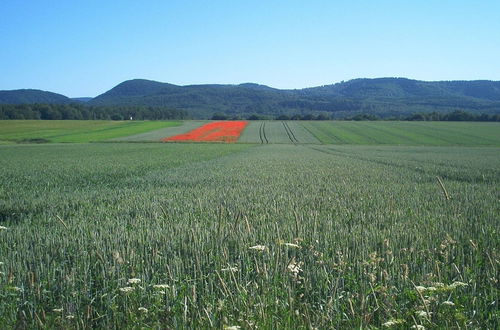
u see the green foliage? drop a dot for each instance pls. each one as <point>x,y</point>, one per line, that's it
<point>84,112</point>
<point>273,236</point>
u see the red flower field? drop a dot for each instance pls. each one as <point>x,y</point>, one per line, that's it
<point>220,131</point>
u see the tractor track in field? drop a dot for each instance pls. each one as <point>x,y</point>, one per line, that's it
<point>262,133</point>
<point>290,134</point>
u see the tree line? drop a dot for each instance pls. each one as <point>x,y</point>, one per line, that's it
<point>419,116</point>
<point>85,112</point>
<point>458,115</point>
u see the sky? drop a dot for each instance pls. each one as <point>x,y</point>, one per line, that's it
<point>84,48</point>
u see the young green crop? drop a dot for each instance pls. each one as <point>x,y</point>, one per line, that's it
<point>256,236</point>
<point>75,130</point>
<point>405,133</point>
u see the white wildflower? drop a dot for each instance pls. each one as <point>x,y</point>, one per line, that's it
<point>439,285</point>
<point>292,245</point>
<point>230,269</point>
<point>418,327</point>
<point>420,288</point>
<point>57,310</point>
<point>161,286</point>
<point>142,309</point>
<point>127,289</point>
<point>393,322</point>
<point>423,314</point>
<point>431,288</point>
<point>70,317</point>
<point>3,228</point>
<point>294,267</point>
<point>134,281</point>
<point>258,247</point>
<point>389,324</point>
<point>232,327</point>
<point>458,284</point>
<point>448,303</point>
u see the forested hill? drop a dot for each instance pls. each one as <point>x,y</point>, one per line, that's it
<point>381,96</point>
<point>28,96</point>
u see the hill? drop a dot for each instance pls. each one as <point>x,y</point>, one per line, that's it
<point>384,97</point>
<point>23,96</point>
<point>81,99</point>
<point>381,96</point>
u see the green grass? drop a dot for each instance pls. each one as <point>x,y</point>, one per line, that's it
<point>374,237</point>
<point>406,133</point>
<point>74,130</point>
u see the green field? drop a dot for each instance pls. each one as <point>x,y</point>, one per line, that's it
<point>256,236</point>
<point>373,133</point>
<point>12,131</point>
<point>261,132</point>
<point>158,134</point>
<point>285,132</point>
<point>406,133</point>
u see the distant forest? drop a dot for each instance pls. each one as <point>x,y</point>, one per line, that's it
<point>85,112</point>
<point>363,99</point>
<point>420,116</point>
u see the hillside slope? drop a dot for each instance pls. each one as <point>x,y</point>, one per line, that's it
<point>382,96</point>
<point>23,96</point>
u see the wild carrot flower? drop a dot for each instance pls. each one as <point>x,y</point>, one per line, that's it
<point>3,228</point>
<point>392,323</point>
<point>292,245</point>
<point>142,309</point>
<point>161,286</point>
<point>418,327</point>
<point>420,288</point>
<point>423,314</point>
<point>127,289</point>
<point>134,281</point>
<point>230,269</point>
<point>258,247</point>
<point>294,267</point>
<point>57,310</point>
<point>455,285</point>
<point>448,303</point>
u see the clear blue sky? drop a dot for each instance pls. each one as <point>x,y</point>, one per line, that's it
<point>83,48</point>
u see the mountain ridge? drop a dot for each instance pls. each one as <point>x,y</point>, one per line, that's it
<point>380,96</point>
<point>23,96</point>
